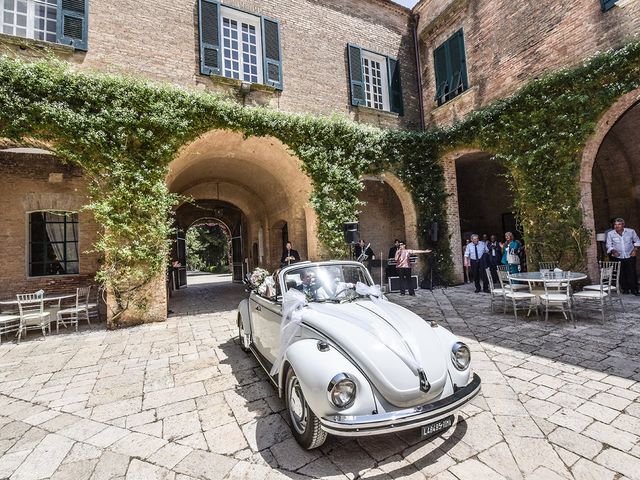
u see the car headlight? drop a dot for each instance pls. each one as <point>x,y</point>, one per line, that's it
<point>460,356</point>
<point>342,391</point>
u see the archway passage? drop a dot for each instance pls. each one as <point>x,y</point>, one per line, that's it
<point>253,186</point>
<point>615,184</point>
<point>484,200</point>
<point>388,213</point>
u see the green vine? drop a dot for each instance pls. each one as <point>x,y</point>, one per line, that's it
<point>539,134</point>
<point>124,132</point>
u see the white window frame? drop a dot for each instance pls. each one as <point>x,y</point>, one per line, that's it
<point>249,19</point>
<point>382,60</point>
<point>31,17</point>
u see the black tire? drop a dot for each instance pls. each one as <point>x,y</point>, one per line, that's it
<point>241,334</point>
<point>304,423</point>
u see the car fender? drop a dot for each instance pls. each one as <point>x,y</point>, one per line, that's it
<point>315,369</point>
<point>244,316</point>
<point>448,339</point>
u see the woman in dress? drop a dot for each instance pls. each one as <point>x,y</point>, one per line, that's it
<point>512,246</point>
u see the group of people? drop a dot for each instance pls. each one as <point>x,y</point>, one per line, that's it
<point>480,254</point>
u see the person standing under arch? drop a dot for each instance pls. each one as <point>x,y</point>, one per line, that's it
<point>403,266</point>
<point>622,246</point>
<point>289,255</point>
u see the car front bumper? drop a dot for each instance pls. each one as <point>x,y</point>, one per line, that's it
<point>405,419</point>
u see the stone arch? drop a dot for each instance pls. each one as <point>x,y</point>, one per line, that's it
<point>388,213</point>
<point>590,155</point>
<point>259,175</point>
<point>209,219</point>
<point>490,212</point>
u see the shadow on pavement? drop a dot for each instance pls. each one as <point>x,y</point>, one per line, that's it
<point>269,434</point>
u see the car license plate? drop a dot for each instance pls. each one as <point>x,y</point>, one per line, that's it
<point>436,427</point>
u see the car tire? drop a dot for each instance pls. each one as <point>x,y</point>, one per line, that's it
<point>241,334</point>
<point>304,423</point>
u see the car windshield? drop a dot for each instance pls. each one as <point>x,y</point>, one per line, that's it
<point>321,283</point>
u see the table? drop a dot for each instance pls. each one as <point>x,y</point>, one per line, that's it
<point>560,279</point>
<point>537,277</point>
<point>47,299</point>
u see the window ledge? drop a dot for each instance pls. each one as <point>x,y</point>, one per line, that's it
<point>363,110</point>
<point>232,82</point>
<point>66,275</point>
<point>468,92</point>
<point>31,44</point>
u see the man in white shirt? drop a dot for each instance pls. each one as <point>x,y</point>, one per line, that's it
<point>622,246</point>
<point>475,252</point>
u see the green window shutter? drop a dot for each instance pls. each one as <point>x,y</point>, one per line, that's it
<point>209,30</point>
<point>607,4</point>
<point>272,53</point>
<point>73,23</point>
<point>356,79</point>
<point>442,72</point>
<point>458,72</point>
<point>395,87</point>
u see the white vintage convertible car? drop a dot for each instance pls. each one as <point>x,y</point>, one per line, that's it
<point>347,361</point>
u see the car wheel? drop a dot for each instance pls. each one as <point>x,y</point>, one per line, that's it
<point>304,423</point>
<point>241,335</point>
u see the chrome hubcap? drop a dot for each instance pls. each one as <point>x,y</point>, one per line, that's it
<point>297,406</point>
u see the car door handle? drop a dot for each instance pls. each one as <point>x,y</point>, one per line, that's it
<point>259,308</point>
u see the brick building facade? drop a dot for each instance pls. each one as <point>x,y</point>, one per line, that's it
<point>321,57</point>
<point>222,171</point>
<point>506,45</point>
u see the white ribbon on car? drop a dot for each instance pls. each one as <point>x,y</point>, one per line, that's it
<point>405,348</point>
<point>293,301</point>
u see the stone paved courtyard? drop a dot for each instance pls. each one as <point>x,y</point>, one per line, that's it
<point>179,400</point>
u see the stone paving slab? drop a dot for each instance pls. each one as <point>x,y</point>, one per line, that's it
<point>179,400</point>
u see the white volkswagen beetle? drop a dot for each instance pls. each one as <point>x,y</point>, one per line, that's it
<point>347,361</point>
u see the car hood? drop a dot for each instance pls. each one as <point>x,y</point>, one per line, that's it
<point>376,336</point>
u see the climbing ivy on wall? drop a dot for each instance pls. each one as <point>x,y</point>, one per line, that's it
<point>124,132</point>
<point>539,134</point>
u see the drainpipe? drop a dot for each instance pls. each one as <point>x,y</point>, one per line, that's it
<point>416,19</point>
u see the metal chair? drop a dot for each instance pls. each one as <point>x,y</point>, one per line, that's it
<point>548,265</point>
<point>32,314</point>
<point>597,300</point>
<point>93,307</point>
<point>497,292</point>
<point>557,298</point>
<point>503,276</point>
<point>73,315</point>
<point>9,323</point>
<point>614,291</point>
<point>520,299</point>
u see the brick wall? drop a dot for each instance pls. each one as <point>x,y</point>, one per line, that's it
<point>381,220</point>
<point>509,43</point>
<point>160,41</point>
<point>29,186</point>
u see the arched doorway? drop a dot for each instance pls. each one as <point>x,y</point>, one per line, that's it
<point>250,184</point>
<point>388,213</point>
<point>616,175</point>
<point>480,200</point>
<point>610,174</point>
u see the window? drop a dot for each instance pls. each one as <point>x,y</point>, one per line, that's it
<point>239,45</point>
<point>53,243</point>
<point>35,19</point>
<point>56,21</point>
<point>374,80</point>
<point>607,4</point>
<point>376,86</point>
<point>450,68</point>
